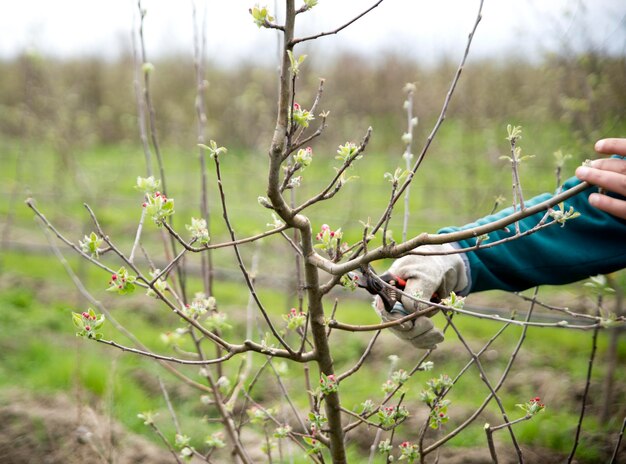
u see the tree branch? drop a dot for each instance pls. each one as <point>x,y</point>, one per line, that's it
<point>433,239</point>
<point>337,30</point>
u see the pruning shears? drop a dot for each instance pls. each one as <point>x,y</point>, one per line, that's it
<point>388,295</point>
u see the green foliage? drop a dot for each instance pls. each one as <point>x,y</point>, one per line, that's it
<point>532,407</point>
<point>328,384</point>
<point>147,185</point>
<point>91,245</point>
<point>294,319</point>
<point>295,62</point>
<point>122,282</point>
<point>391,416</point>
<point>346,151</point>
<point>88,324</point>
<point>561,216</point>
<point>159,207</point>
<point>261,16</point>
<point>213,150</point>
<point>301,117</point>
<point>303,157</point>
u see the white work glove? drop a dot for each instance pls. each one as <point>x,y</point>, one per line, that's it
<point>425,276</point>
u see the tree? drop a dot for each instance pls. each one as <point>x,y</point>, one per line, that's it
<point>321,260</point>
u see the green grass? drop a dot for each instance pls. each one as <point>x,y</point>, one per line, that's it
<point>36,298</point>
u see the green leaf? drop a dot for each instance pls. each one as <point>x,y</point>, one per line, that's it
<point>99,322</point>
<point>77,319</point>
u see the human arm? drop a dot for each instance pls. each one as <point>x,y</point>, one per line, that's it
<point>590,244</point>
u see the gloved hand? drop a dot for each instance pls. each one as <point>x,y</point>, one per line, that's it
<point>425,276</point>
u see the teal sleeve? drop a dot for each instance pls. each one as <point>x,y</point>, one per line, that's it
<point>591,244</point>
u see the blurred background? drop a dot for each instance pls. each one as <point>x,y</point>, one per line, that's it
<point>69,134</point>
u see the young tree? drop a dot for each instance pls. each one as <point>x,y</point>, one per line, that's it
<point>322,261</point>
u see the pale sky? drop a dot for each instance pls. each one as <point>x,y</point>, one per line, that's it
<point>425,29</point>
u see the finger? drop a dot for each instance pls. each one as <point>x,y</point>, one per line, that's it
<point>610,164</point>
<point>429,340</point>
<point>421,326</point>
<point>419,288</point>
<point>610,180</point>
<point>611,146</point>
<point>610,205</point>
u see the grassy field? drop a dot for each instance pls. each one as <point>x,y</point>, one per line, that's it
<point>458,183</point>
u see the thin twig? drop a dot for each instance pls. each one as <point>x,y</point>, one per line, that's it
<point>361,360</point>
<point>146,68</point>
<point>594,346</point>
<point>561,309</point>
<point>337,30</point>
<point>250,318</point>
<point>131,256</point>
<point>109,317</point>
<point>328,192</point>
<point>170,407</point>
<point>253,238</point>
<point>165,441</point>
<point>434,306</point>
<point>149,354</point>
<point>242,266</point>
<point>483,377</point>
<point>31,204</point>
<point>491,444</point>
<point>147,97</point>
<point>384,325</point>
<point>619,442</point>
<point>441,117</point>
<point>410,88</point>
<point>141,114</point>
<point>437,239</point>
<point>484,404</point>
<point>285,393</point>
<point>201,118</point>
<point>489,432</point>
<point>294,246</point>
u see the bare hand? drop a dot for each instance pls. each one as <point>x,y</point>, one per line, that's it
<point>608,173</point>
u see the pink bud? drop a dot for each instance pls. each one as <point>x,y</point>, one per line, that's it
<point>296,107</point>
<point>309,150</point>
<point>87,328</point>
<point>85,315</point>
<point>144,204</point>
<point>114,277</point>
